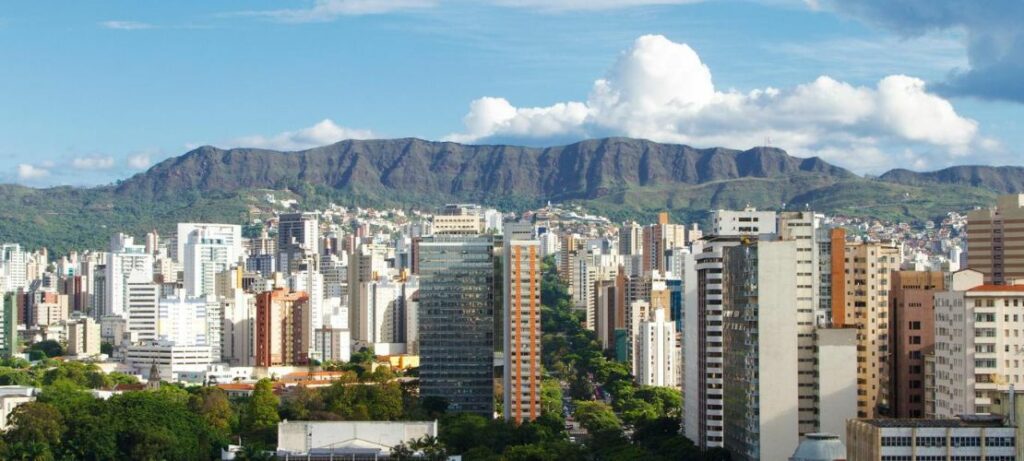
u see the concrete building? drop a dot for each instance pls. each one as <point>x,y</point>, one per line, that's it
<point>206,254</point>
<point>631,239</point>
<point>143,304</point>
<point>13,263</point>
<point>238,347</point>
<point>978,343</point>
<point>748,221</point>
<point>971,437</point>
<point>837,379</point>
<point>83,337</point>
<point>911,337</point>
<point>228,234</point>
<point>456,318</point>
<point>866,270</point>
<point>282,337</point>
<point>995,240</point>
<point>658,355</point>
<point>8,326</point>
<point>126,263</point>
<point>761,392</point>
<point>298,239</point>
<point>12,397</point>
<point>385,307</point>
<point>522,334</point>
<point>348,439</point>
<point>170,359</point>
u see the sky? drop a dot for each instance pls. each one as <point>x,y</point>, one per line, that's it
<point>94,92</point>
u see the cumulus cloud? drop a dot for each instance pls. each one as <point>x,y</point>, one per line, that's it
<point>140,161</point>
<point>125,25</point>
<point>321,134</point>
<point>661,90</point>
<point>29,172</point>
<point>992,33</point>
<point>93,163</point>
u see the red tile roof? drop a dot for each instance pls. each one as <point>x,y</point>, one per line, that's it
<point>997,288</point>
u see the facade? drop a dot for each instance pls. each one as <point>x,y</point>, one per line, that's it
<point>143,304</point>
<point>13,263</point>
<point>761,414</point>
<point>282,337</point>
<point>522,334</point>
<point>169,359</point>
<point>748,221</point>
<point>657,357</point>
<point>83,337</point>
<point>349,440</point>
<point>126,263</point>
<point>298,239</point>
<point>207,254</point>
<point>8,326</point>
<point>971,437</point>
<point>837,379</point>
<point>456,318</point>
<point>866,270</point>
<point>978,342</point>
<point>911,337</point>
<point>229,234</point>
<point>995,240</point>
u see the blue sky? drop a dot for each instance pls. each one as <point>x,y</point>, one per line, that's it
<point>91,92</point>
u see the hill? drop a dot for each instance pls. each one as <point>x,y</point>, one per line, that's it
<point>624,178</point>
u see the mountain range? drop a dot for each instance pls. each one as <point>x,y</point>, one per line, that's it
<point>620,177</point>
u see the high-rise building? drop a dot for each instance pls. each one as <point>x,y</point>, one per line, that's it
<point>83,337</point>
<point>298,240</point>
<point>365,264</point>
<point>748,221</point>
<point>761,392</point>
<point>911,337</point>
<point>995,240</point>
<point>385,307</point>
<point>456,318</point>
<point>978,342</point>
<point>631,239</point>
<point>522,331</point>
<point>282,336</point>
<point>126,263</point>
<point>230,235</point>
<point>207,253</point>
<point>657,357</point>
<point>866,269</point>
<point>13,275</point>
<point>8,326</point>
<point>143,305</point>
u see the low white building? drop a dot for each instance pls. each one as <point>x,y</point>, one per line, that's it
<point>10,398</point>
<point>971,437</point>
<point>171,359</point>
<point>348,438</point>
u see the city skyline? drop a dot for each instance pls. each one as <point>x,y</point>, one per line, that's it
<point>860,84</point>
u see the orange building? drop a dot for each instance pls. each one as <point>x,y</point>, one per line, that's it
<point>283,335</point>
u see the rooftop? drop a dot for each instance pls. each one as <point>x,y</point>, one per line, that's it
<point>997,288</point>
<point>962,421</point>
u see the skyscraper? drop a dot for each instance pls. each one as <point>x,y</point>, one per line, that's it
<point>522,333</point>
<point>207,253</point>
<point>298,238</point>
<point>911,336</point>
<point>457,290</point>
<point>657,357</point>
<point>995,240</point>
<point>282,337</point>
<point>126,263</point>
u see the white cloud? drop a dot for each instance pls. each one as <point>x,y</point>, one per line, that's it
<point>140,161</point>
<point>562,5</point>
<point>93,163</point>
<point>323,133</point>
<point>328,10</point>
<point>126,25</point>
<point>30,172</point>
<point>661,90</point>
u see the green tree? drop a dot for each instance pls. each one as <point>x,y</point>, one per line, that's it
<point>260,415</point>
<point>35,432</point>
<point>212,404</point>
<point>596,416</point>
<point>49,348</point>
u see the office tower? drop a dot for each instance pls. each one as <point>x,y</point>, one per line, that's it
<point>365,264</point>
<point>143,304</point>
<point>866,269</point>
<point>631,239</point>
<point>298,238</point>
<point>83,337</point>
<point>457,290</point>
<point>748,221</point>
<point>229,235</point>
<point>281,338</point>
<point>978,344</point>
<point>13,274</point>
<point>385,306</point>
<point>657,357</point>
<point>994,237</point>
<point>911,337</point>
<point>206,255</point>
<point>799,227</point>
<point>8,326</point>
<point>703,347</point>
<point>761,416</point>
<point>238,337</point>
<point>188,321</point>
<point>126,263</point>
<point>522,331</point>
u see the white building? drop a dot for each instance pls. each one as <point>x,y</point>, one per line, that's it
<point>229,234</point>
<point>385,307</point>
<point>348,439</point>
<point>187,321</point>
<point>13,274</point>
<point>748,221</point>
<point>657,363</point>
<point>239,327</point>
<point>83,337</point>
<point>207,253</point>
<point>978,344</point>
<point>126,263</point>
<point>970,437</point>
<point>142,304</point>
<point>170,359</point>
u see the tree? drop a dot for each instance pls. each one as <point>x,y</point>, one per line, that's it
<point>212,404</point>
<point>49,348</point>
<point>35,432</point>
<point>596,416</point>
<point>260,416</point>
